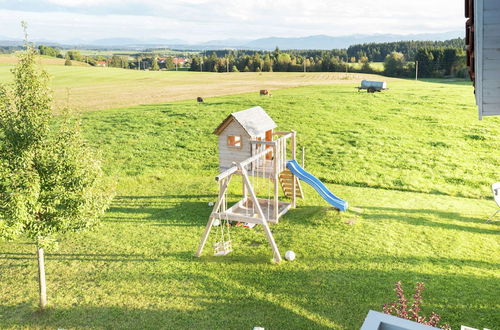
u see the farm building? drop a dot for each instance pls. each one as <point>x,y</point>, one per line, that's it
<point>483,53</point>
<point>179,61</point>
<point>238,130</point>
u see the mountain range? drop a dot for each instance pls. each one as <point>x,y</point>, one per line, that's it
<point>270,43</point>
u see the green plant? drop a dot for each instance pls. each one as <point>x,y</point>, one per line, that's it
<point>50,181</point>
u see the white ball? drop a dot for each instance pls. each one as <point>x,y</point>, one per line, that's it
<point>210,203</point>
<point>290,255</point>
<point>216,222</point>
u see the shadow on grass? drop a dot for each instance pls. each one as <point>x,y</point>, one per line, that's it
<point>78,257</point>
<point>217,306</point>
<point>343,297</point>
<point>167,210</point>
<point>243,291</point>
<point>422,217</point>
<point>448,81</point>
<point>276,298</point>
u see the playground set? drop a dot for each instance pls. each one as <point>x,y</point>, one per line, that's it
<point>250,147</point>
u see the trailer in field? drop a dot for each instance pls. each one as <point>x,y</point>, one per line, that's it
<point>373,86</point>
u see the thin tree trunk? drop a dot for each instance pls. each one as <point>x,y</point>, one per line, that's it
<point>41,279</point>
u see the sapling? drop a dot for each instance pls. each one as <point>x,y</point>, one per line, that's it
<point>50,181</point>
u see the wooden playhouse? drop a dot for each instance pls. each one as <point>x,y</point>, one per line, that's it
<point>251,150</point>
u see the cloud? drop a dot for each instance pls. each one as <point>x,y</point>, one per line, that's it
<point>201,20</point>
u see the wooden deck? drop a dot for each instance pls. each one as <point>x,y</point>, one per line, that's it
<point>263,170</point>
<point>244,211</point>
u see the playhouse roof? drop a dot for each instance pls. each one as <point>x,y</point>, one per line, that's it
<point>255,121</point>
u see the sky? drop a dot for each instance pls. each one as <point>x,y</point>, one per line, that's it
<point>203,20</point>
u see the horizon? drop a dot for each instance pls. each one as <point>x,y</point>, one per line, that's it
<point>200,21</point>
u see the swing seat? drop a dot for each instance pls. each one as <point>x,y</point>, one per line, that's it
<point>222,248</point>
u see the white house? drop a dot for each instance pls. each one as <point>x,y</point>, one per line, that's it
<point>483,50</point>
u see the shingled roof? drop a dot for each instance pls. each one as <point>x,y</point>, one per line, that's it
<point>255,121</point>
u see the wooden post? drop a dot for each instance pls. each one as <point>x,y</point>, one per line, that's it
<point>294,183</point>
<point>304,157</point>
<point>223,184</point>
<point>265,224</point>
<point>276,174</point>
<point>244,188</point>
<point>41,278</point>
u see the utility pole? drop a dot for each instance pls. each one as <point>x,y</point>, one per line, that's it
<point>227,64</point>
<point>416,70</point>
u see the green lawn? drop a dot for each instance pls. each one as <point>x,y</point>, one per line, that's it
<point>414,160</point>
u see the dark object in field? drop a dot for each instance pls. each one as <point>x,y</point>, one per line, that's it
<point>265,92</point>
<point>199,99</point>
<point>373,86</point>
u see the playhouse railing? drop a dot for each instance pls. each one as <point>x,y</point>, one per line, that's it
<point>275,151</point>
<point>281,149</point>
<point>243,164</point>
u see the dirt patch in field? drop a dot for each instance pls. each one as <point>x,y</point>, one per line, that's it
<point>129,93</point>
<point>94,88</point>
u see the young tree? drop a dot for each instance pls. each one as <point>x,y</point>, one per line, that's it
<point>283,62</point>
<point>426,62</point>
<point>49,51</point>
<point>154,64</point>
<point>195,64</point>
<point>74,55</point>
<point>394,64</point>
<point>50,180</point>
<point>68,62</point>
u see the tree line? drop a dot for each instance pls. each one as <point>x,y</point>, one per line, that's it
<point>276,61</point>
<point>9,49</point>
<point>428,63</point>
<point>435,59</point>
<point>142,61</point>
<point>377,52</point>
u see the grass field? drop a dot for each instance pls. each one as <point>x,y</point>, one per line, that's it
<point>414,160</point>
<point>96,88</point>
<point>7,61</point>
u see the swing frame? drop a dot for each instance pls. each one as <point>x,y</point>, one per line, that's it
<point>273,153</point>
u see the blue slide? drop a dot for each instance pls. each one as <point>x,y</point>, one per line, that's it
<point>310,179</point>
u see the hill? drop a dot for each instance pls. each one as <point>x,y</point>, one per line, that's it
<point>7,60</point>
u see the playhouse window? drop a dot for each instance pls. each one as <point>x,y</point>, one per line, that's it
<point>234,141</point>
